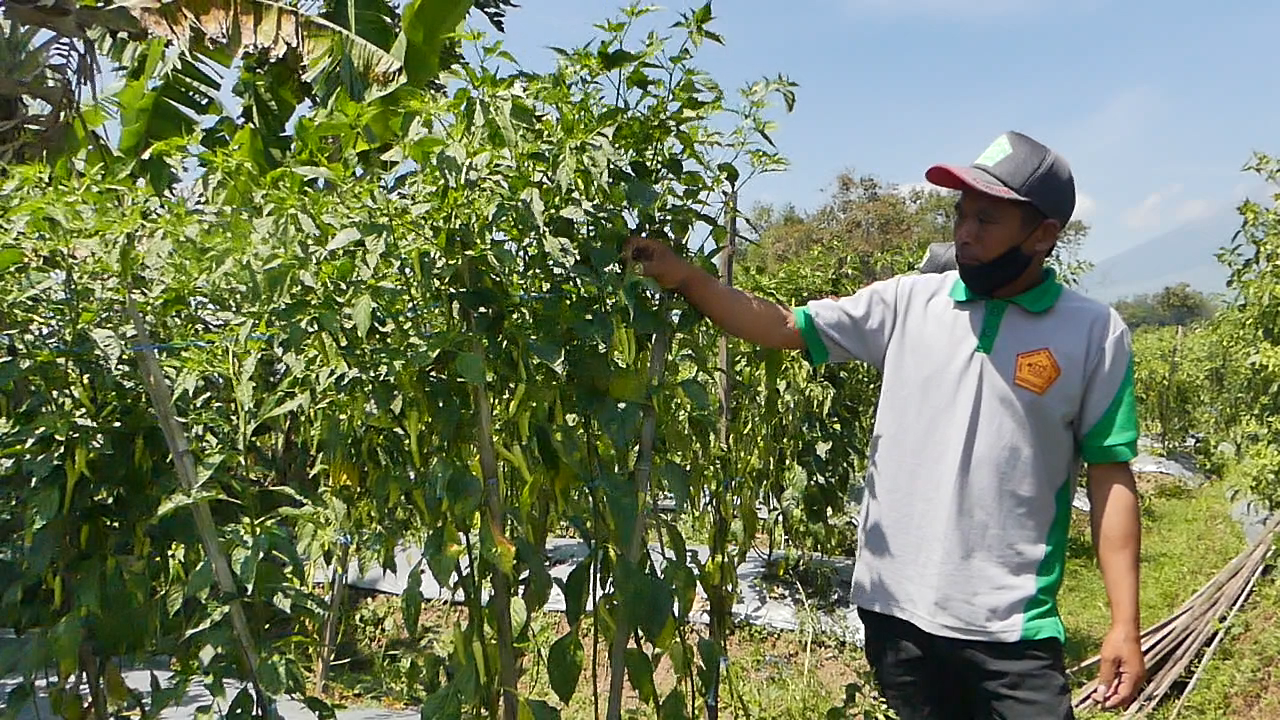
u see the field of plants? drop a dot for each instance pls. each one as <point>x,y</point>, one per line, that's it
<point>380,304</point>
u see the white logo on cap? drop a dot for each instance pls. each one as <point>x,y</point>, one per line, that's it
<point>999,150</point>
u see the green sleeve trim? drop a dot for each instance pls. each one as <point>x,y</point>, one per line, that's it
<point>1114,438</point>
<point>816,349</point>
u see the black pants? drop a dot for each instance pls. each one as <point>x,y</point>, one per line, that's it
<point>926,677</point>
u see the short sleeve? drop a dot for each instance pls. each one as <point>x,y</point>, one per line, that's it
<point>1109,410</point>
<point>856,327</point>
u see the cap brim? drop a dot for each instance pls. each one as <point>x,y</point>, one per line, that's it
<point>954,177</point>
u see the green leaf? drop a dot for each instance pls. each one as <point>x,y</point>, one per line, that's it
<point>411,601</point>
<point>697,394</point>
<point>539,709</point>
<point>362,311</point>
<point>343,238</point>
<point>303,399</point>
<point>471,366</point>
<point>8,258</point>
<point>443,704</point>
<point>640,673</point>
<point>576,589</point>
<point>564,665</point>
<point>674,706</point>
<point>619,58</point>
<point>312,171</point>
<point>519,615</point>
<point>321,709</point>
<point>538,588</point>
<point>641,194</point>
<point>426,26</point>
<point>109,343</point>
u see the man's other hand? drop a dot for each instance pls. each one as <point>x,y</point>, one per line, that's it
<point>1123,669</point>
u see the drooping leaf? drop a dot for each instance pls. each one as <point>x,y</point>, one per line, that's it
<point>564,665</point>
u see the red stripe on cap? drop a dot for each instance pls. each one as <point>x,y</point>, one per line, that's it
<point>953,177</point>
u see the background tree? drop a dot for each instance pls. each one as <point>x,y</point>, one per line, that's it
<point>875,228</point>
<point>1178,304</point>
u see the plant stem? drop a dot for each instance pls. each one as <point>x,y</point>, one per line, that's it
<point>643,466</point>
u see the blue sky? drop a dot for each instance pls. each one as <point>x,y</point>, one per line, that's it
<point>1156,105</point>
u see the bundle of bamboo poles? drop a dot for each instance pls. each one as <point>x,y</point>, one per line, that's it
<point>1194,631</point>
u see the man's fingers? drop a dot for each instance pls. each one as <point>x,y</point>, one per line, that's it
<point>1123,691</point>
<point>1106,680</point>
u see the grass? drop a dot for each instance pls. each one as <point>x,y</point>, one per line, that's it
<point>1188,537</point>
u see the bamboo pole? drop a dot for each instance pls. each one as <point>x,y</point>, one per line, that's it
<point>1171,646</point>
<point>643,468</point>
<point>719,633</point>
<point>184,464</point>
<point>329,639</point>
<point>495,512</point>
<point>1217,640</point>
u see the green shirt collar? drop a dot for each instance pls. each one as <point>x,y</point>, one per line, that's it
<point>1037,300</point>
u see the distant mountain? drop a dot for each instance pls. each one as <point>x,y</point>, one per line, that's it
<point>1185,254</point>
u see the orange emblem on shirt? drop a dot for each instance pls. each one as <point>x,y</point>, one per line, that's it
<point>1036,371</point>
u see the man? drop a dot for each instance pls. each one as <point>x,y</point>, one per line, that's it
<point>998,383</point>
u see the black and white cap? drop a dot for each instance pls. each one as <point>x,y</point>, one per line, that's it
<point>1016,167</point>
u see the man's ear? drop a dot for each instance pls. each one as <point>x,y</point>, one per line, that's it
<point>1045,237</point>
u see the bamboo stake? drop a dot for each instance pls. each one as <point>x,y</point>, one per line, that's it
<point>331,619</point>
<point>184,464</point>
<point>496,513</point>
<point>643,467</point>
<point>719,633</point>
<point>1217,640</point>
<point>1171,646</point>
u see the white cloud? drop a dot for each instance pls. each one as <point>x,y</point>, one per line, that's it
<point>1086,207</point>
<point>1166,207</point>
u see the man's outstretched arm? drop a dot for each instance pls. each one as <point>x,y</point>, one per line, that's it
<point>1117,537</point>
<point>740,314</point>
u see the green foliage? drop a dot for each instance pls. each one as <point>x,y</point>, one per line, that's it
<point>1178,304</point>
<point>801,435</point>
<point>346,341</point>
<point>1175,370</point>
<point>1220,377</point>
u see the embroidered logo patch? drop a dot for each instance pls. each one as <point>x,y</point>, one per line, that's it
<point>1036,371</point>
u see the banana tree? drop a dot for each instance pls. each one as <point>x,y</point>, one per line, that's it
<point>175,58</point>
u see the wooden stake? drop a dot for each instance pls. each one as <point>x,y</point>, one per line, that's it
<point>184,464</point>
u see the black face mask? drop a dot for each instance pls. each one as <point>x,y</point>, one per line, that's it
<point>987,278</point>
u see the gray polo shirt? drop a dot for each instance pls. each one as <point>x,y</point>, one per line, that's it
<point>987,409</point>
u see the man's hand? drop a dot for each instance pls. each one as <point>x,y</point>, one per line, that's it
<point>740,314</point>
<point>1123,669</point>
<point>658,261</point>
